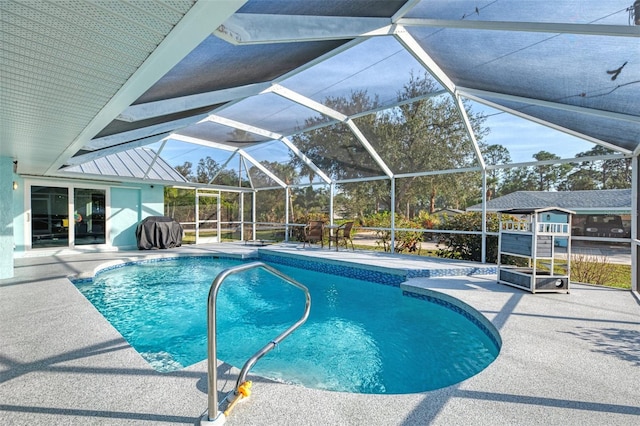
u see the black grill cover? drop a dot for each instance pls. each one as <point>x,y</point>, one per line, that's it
<point>158,232</point>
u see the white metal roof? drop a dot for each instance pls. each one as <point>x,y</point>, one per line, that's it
<point>138,163</point>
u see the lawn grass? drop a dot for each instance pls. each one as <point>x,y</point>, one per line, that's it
<point>620,276</point>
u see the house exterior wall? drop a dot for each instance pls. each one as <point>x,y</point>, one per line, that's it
<point>6,217</point>
<point>19,214</point>
<point>125,213</point>
<point>127,205</point>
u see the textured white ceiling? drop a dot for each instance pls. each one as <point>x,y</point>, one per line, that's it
<point>65,64</point>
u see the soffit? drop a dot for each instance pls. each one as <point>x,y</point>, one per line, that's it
<point>69,67</point>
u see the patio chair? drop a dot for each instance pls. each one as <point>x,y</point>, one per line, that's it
<point>344,233</point>
<point>314,231</point>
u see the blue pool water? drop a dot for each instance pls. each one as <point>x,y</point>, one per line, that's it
<point>360,336</point>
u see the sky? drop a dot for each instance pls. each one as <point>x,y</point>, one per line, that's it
<point>380,66</point>
<point>524,138</point>
<point>521,137</point>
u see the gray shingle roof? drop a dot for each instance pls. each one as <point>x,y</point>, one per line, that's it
<point>605,199</point>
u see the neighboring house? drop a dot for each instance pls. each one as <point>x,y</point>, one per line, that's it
<point>447,212</point>
<point>599,213</point>
<point>95,204</point>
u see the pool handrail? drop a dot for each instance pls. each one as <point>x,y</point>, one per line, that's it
<point>212,359</point>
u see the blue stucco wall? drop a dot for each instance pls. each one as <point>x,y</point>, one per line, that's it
<point>128,207</point>
<point>554,217</point>
<point>6,217</point>
<point>125,214</point>
<point>18,215</point>
<point>152,201</point>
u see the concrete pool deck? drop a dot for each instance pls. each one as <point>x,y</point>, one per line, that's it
<point>566,358</point>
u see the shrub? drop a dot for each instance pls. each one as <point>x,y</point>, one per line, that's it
<point>469,246</point>
<point>591,269</point>
<point>404,240</point>
<point>409,241</point>
<point>380,220</point>
<point>428,221</point>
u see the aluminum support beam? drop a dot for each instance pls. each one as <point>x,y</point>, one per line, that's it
<point>186,103</point>
<point>412,45</point>
<point>529,27</point>
<point>194,27</point>
<point>635,225</point>
<point>254,28</point>
<point>272,135</point>
<point>467,94</point>
<point>94,155</point>
<point>475,93</point>
<point>365,143</point>
<point>469,128</point>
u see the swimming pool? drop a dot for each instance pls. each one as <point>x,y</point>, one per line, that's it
<point>360,337</point>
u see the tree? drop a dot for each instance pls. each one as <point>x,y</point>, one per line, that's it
<point>601,174</point>
<point>544,177</point>
<point>285,172</point>
<point>334,148</point>
<point>176,199</point>
<point>271,206</point>
<point>518,179</point>
<point>207,170</point>
<point>549,176</point>
<point>579,180</point>
<point>360,199</point>
<point>310,200</point>
<point>424,135</point>
<point>493,155</point>
<point>178,203</point>
<point>469,246</point>
<point>229,178</point>
<point>185,170</point>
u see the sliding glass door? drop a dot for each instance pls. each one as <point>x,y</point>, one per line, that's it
<point>89,216</point>
<point>49,216</point>
<point>67,217</point>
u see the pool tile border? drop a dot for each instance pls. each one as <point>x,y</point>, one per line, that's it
<point>76,279</point>
<point>451,272</point>
<point>372,273</point>
<point>392,277</point>
<point>457,306</point>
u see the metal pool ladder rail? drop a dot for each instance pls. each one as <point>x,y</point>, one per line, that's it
<point>219,417</point>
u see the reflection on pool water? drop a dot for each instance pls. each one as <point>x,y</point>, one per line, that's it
<point>360,337</point>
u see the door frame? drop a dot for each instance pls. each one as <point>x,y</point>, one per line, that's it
<point>70,187</point>
<point>207,194</point>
